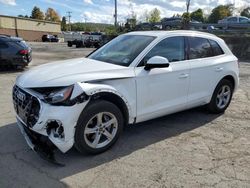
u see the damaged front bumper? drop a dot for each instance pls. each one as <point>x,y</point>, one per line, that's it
<point>43,124</point>
<point>39,143</point>
<point>56,123</point>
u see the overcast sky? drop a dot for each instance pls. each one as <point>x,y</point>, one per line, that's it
<point>102,11</point>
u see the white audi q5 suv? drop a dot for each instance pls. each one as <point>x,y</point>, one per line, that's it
<point>138,76</point>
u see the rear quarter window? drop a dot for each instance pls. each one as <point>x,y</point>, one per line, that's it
<point>18,44</point>
<point>216,48</point>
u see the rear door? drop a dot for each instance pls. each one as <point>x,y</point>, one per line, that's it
<point>204,67</point>
<point>4,54</point>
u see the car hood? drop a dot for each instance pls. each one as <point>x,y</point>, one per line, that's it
<point>67,72</point>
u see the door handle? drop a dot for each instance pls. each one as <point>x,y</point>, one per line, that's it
<point>219,69</point>
<point>183,75</point>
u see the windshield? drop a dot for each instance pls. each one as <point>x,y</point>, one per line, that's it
<point>122,50</point>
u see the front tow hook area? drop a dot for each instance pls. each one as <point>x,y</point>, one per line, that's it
<point>48,155</point>
<point>40,144</point>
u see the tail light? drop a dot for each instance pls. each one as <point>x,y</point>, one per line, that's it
<point>23,52</point>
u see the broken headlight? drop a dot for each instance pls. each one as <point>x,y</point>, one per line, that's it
<point>59,96</point>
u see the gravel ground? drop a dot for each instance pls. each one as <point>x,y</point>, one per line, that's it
<point>187,149</point>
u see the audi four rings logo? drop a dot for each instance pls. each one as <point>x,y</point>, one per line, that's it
<point>20,95</point>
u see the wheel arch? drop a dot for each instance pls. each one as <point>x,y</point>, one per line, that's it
<point>107,92</point>
<point>116,99</point>
<point>229,78</point>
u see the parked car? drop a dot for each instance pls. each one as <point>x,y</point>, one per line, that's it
<point>50,38</point>
<point>84,40</point>
<point>88,42</point>
<point>234,19</point>
<point>144,26</point>
<point>173,22</point>
<point>136,77</point>
<point>14,52</point>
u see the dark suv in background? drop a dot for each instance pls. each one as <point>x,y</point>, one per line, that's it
<point>50,38</point>
<point>14,52</point>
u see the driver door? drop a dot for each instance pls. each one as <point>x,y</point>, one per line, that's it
<point>162,91</point>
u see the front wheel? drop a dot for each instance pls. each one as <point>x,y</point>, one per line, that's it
<point>98,127</point>
<point>69,44</point>
<point>221,97</point>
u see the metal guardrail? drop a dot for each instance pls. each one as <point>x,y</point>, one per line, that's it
<point>212,27</point>
<point>222,25</point>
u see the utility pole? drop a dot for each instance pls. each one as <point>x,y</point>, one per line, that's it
<point>69,16</point>
<point>85,18</point>
<point>115,13</point>
<point>188,4</point>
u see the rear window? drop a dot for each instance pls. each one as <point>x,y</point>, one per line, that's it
<point>199,48</point>
<point>243,20</point>
<point>216,48</point>
<point>23,44</point>
<point>19,44</point>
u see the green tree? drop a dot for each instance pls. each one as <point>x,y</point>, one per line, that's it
<point>63,24</point>
<point>155,16</point>
<point>246,12</point>
<point>220,12</point>
<point>197,15</point>
<point>37,13</point>
<point>185,20</point>
<point>52,15</point>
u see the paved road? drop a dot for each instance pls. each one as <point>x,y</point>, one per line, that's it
<point>187,149</point>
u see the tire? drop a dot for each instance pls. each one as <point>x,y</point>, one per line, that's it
<point>69,44</point>
<point>219,101</point>
<point>79,44</point>
<point>88,121</point>
<point>168,27</point>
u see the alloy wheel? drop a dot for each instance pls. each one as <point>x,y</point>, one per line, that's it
<point>100,130</point>
<point>223,96</point>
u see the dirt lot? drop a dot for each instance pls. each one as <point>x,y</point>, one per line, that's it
<point>187,149</point>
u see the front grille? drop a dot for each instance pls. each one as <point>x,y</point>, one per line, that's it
<point>26,106</point>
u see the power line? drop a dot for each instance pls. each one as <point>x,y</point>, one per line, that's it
<point>69,16</point>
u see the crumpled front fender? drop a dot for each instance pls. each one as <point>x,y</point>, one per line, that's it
<point>91,89</point>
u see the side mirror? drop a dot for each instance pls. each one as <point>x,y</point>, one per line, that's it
<point>156,62</point>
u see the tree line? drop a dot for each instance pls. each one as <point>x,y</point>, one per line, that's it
<point>216,14</point>
<point>153,16</point>
<point>49,15</point>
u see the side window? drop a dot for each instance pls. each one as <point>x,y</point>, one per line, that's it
<point>216,48</point>
<point>199,48</point>
<point>243,20</point>
<point>232,19</point>
<point>3,45</point>
<point>171,48</point>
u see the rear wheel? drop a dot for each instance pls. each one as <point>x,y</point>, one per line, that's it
<point>98,127</point>
<point>221,97</point>
<point>168,27</point>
